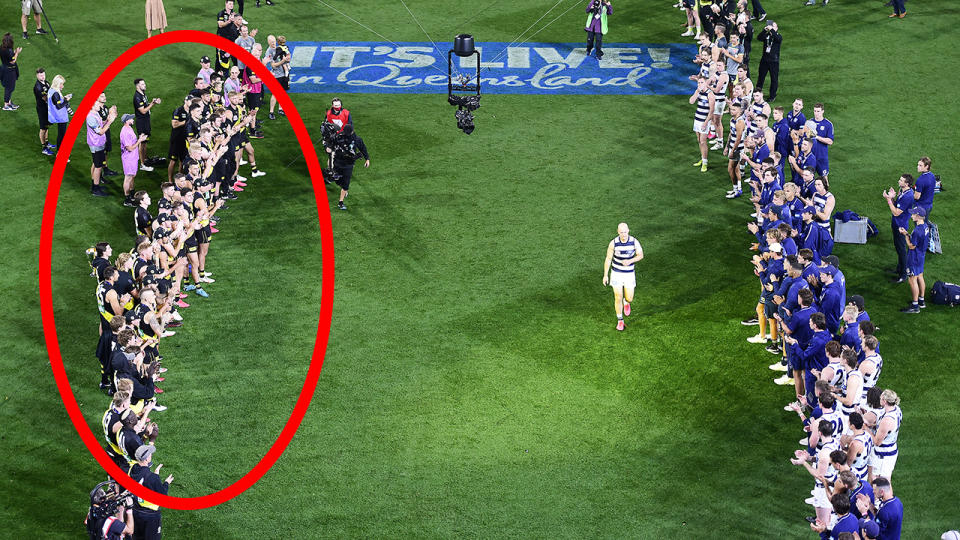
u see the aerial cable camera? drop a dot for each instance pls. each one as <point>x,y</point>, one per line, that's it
<point>463,91</point>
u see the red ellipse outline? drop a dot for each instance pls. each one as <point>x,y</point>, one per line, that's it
<point>326,300</point>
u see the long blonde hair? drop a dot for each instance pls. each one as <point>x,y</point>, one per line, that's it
<point>57,83</point>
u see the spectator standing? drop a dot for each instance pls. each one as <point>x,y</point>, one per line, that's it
<point>900,219</point>
<point>28,7</point>
<point>40,90</point>
<point>58,107</point>
<point>770,59</point>
<point>155,16</point>
<point>9,70</point>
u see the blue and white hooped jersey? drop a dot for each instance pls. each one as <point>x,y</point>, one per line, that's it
<point>703,106</point>
<point>831,474</point>
<point>623,251</point>
<point>869,381</point>
<point>839,373</point>
<point>888,447</point>
<point>859,465</point>
<point>839,422</point>
<point>851,374</point>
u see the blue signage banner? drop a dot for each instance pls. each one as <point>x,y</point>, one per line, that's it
<point>530,68</point>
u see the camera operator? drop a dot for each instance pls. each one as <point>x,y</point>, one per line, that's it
<point>770,60</point>
<point>596,26</point>
<point>146,515</point>
<point>347,148</point>
<point>340,117</point>
<point>117,526</point>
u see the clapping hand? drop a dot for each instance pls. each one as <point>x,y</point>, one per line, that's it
<point>889,194</point>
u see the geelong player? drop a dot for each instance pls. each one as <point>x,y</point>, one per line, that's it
<point>623,252</point>
<point>703,98</point>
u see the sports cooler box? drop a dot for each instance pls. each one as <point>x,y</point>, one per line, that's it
<point>850,232</point>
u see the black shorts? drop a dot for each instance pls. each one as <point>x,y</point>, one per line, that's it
<point>146,525</point>
<point>203,235</point>
<point>177,150</point>
<point>690,4</point>
<point>284,82</point>
<point>345,174</point>
<point>99,158</point>
<point>43,117</point>
<point>254,100</point>
<point>143,126</point>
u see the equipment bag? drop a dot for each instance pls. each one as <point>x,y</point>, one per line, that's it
<point>934,246</point>
<point>945,294</point>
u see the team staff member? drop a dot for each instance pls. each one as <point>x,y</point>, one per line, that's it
<point>142,106</point>
<point>925,185</point>
<point>277,61</point>
<point>343,161</point>
<point>917,243</point>
<point>623,252</point>
<point>58,107</point>
<point>228,27</point>
<point>177,151</point>
<point>129,157</point>
<point>40,90</point>
<point>888,511</point>
<point>822,140</point>
<point>107,171</point>
<point>97,141</point>
<point>146,515</point>
<point>900,219</point>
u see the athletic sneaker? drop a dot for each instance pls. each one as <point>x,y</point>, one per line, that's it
<point>734,194</point>
<point>778,366</point>
<point>159,408</point>
<point>762,17</point>
<point>168,333</point>
<point>703,167</point>
<point>783,381</point>
<point>687,33</point>
<point>272,116</point>
<point>10,107</point>
<point>241,178</point>
<point>146,168</point>
<point>240,183</point>
<point>214,230</point>
<point>258,173</point>
<point>159,379</point>
<point>206,280</point>
<point>699,163</point>
<point>203,293</point>
<point>41,31</point>
<point>910,309</point>
<point>206,274</point>
<point>236,187</point>
<point>26,36</point>
<point>922,304</point>
<point>620,325</point>
<point>107,171</point>
<point>759,338</point>
<point>190,287</point>
<point>750,322</point>
<point>128,202</point>
<point>243,161</point>
<point>626,309</point>
<point>810,3</point>
<point>341,206</point>
<point>157,390</point>
<point>47,152</point>
<point>174,324</point>
<point>97,191</point>
<point>773,348</point>
<point>717,145</point>
<point>182,304</point>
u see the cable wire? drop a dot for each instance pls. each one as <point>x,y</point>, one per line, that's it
<point>440,54</point>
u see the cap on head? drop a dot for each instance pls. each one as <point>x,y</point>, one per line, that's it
<point>870,528</point>
<point>776,247</point>
<point>144,452</point>
<point>917,211</point>
<point>126,118</point>
<point>204,59</point>
<point>812,210</point>
<point>828,270</point>
<point>857,300</point>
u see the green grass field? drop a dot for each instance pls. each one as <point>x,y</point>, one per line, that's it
<point>474,384</point>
